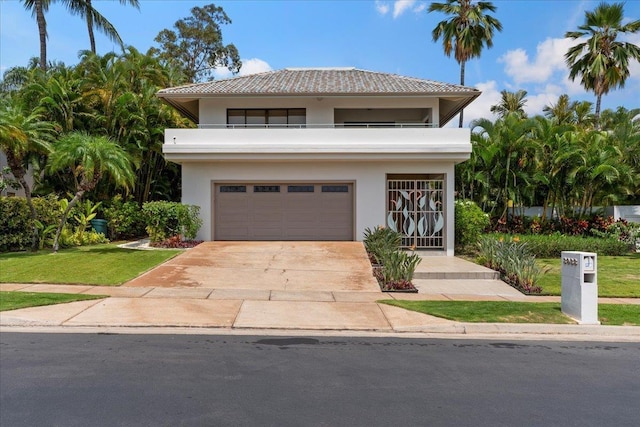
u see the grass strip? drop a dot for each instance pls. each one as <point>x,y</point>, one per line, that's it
<point>106,265</point>
<point>16,300</point>
<point>618,276</point>
<point>516,312</point>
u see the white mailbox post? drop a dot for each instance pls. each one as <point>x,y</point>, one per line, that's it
<point>579,294</point>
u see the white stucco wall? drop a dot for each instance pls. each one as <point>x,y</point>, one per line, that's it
<point>369,180</point>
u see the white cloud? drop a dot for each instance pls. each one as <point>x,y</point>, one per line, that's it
<point>401,6</point>
<point>254,66</point>
<point>535,103</point>
<point>419,8</point>
<point>382,8</point>
<point>549,59</point>
<point>480,107</point>
<point>249,66</point>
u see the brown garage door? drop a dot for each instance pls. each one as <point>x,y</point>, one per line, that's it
<point>307,211</point>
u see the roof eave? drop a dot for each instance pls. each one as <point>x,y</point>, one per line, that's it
<point>446,118</point>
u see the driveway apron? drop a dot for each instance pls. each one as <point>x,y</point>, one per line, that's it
<point>276,266</point>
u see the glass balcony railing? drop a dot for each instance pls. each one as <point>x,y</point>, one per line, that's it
<point>318,126</point>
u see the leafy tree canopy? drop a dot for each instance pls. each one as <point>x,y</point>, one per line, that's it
<point>196,45</point>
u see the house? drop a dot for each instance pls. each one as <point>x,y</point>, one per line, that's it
<point>12,187</point>
<point>320,154</point>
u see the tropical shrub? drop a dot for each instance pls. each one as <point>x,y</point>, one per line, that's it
<point>124,219</point>
<point>15,220</point>
<point>70,237</point>
<point>47,209</point>
<point>87,212</point>
<point>168,219</point>
<point>470,223</point>
<point>176,242</point>
<point>623,231</point>
<point>550,246</point>
<point>513,259</point>
<point>15,224</point>
<point>584,226</point>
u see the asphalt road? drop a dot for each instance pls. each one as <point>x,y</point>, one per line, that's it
<point>171,380</point>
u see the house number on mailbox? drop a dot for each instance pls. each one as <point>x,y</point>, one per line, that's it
<point>588,263</point>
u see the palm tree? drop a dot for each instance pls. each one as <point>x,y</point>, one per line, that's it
<point>466,32</point>
<point>94,19</point>
<point>562,111</point>
<point>23,133</point>
<point>60,98</point>
<point>85,9</point>
<point>509,155</point>
<point>38,9</point>
<point>511,102</point>
<point>89,158</point>
<point>601,61</point>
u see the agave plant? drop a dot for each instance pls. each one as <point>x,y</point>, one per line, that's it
<point>516,264</point>
<point>380,243</point>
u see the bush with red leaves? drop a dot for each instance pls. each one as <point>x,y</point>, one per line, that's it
<point>176,242</point>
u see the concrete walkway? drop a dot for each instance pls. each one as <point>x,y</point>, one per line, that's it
<point>266,291</point>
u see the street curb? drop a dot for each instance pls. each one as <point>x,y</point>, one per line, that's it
<point>511,331</point>
<point>527,328</point>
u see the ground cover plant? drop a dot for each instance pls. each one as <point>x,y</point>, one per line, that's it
<point>16,300</point>
<point>618,276</point>
<point>91,265</point>
<point>516,312</point>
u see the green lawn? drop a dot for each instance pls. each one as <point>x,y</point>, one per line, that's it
<point>88,265</point>
<point>618,276</point>
<point>15,300</point>
<point>516,312</point>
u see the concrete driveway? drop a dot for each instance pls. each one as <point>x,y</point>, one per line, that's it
<point>276,266</point>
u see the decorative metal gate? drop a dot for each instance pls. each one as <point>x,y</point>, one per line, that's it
<point>415,208</point>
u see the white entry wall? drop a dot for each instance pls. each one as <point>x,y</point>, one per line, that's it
<point>368,178</point>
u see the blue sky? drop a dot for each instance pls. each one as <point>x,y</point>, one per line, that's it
<point>385,35</point>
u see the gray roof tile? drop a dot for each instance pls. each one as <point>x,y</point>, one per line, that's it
<point>318,81</point>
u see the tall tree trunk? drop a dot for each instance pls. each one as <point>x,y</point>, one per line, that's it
<point>596,116</point>
<point>63,220</point>
<point>92,39</point>
<point>35,237</point>
<point>42,29</point>
<point>462,64</point>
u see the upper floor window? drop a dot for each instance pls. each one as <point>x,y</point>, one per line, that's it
<point>256,117</point>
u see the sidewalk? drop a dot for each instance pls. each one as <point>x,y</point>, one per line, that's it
<point>255,311</point>
<point>290,287</point>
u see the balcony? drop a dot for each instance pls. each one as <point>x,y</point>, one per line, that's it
<point>401,141</point>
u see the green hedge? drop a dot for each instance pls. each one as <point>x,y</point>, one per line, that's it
<point>470,223</point>
<point>15,224</point>
<point>550,246</point>
<point>15,220</point>
<point>125,219</point>
<point>167,219</point>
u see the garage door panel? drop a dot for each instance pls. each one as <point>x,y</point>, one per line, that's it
<point>311,211</point>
